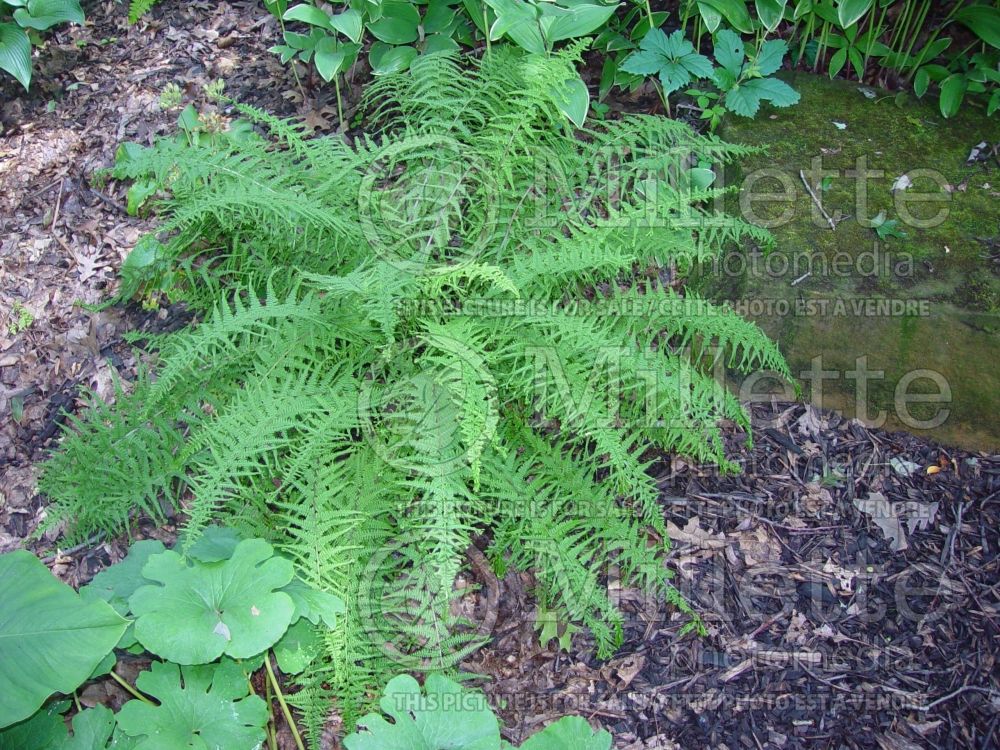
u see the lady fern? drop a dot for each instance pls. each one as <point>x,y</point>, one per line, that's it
<point>443,331</point>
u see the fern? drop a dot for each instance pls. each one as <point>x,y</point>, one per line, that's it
<point>138,8</point>
<point>439,332</point>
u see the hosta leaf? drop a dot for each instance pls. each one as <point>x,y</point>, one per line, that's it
<point>50,639</point>
<point>734,11</point>
<point>984,20</point>
<point>953,90</point>
<point>559,23</point>
<point>15,53</point>
<point>309,14</point>
<point>43,14</point>
<point>573,100</point>
<point>770,12</point>
<point>569,733</point>
<point>398,24</point>
<point>200,707</point>
<point>849,11</point>
<point>386,59</point>
<point>348,23</point>
<point>204,610</point>
<point>427,721</point>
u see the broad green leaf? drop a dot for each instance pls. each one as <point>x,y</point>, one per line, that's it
<point>439,43</point>
<point>735,13</point>
<point>849,11</point>
<point>43,14</point>
<point>573,100</point>
<point>297,647</point>
<point>92,729</point>
<point>837,62</point>
<point>745,99</point>
<point>710,17</point>
<point>217,543</point>
<point>309,14</point>
<point>50,639</point>
<point>921,82</point>
<point>398,24</point>
<point>200,707</point>
<point>348,23</point>
<point>385,59</point>
<point>984,20</point>
<point>952,93</point>
<point>138,193</point>
<point>202,611</point>
<point>698,65</point>
<point>118,582</point>
<point>427,721</point>
<point>329,58</point>
<point>729,51</point>
<point>568,23</point>
<point>519,21</point>
<point>45,730</point>
<point>768,60</point>
<point>438,17</point>
<point>314,605</point>
<point>673,76</point>
<point>642,63</point>
<point>15,53</point>
<point>568,733</point>
<point>770,12</point>
<point>994,103</point>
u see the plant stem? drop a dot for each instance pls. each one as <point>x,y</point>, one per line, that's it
<point>281,702</point>
<point>340,103</point>
<point>649,15</point>
<point>272,740</point>
<point>124,683</point>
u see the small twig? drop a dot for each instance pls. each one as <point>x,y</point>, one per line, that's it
<point>55,216</point>
<point>952,694</point>
<point>281,702</point>
<point>812,194</point>
<point>802,278</point>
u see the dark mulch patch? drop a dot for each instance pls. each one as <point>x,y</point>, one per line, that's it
<point>820,633</point>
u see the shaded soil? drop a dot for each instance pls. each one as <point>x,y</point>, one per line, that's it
<point>822,632</point>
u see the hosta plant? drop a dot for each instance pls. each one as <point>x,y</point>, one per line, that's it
<point>20,22</point>
<point>453,329</point>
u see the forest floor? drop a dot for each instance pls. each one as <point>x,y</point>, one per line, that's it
<point>848,578</point>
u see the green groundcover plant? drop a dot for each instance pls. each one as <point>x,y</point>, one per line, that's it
<point>454,328</point>
<point>20,24</point>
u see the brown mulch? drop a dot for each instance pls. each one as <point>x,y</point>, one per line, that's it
<point>822,633</point>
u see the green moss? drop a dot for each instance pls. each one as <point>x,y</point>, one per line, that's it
<point>941,267</point>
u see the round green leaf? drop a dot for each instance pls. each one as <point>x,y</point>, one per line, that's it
<point>385,59</point>
<point>204,610</point>
<point>398,24</point>
<point>50,639</point>
<point>427,722</point>
<point>297,648</point>
<point>15,53</point>
<point>568,733</point>
<point>211,709</point>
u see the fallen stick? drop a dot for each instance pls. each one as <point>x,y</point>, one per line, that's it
<point>831,222</point>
